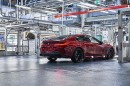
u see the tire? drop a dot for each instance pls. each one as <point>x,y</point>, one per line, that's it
<point>110,54</point>
<point>78,56</point>
<point>52,59</point>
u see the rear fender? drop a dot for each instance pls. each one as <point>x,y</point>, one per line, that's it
<point>70,50</point>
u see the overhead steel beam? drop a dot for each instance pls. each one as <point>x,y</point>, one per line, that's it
<point>120,37</point>
<point>20,25</point>
<point>29,20</point>
<point>92,11</point>
<point>102,18</point>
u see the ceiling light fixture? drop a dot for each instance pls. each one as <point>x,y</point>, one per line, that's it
<point>51,12</point>
<point>50,9</point>
<point>1,15</point>
<point>104,11</point>
<point>60,0</point>
<point>82,6</point>
<point>114,11</point>
<point>23,7</point>
<point>87,4</point>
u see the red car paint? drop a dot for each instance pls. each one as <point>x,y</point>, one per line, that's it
<point>67,46</point>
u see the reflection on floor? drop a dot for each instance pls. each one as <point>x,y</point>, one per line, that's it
<point>29,71</point>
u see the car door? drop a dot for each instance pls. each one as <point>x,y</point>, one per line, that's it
<point>97,46</point>
<point>88,46</point>
<point>83,42</point>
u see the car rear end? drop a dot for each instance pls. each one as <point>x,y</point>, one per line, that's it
<point>54,47</point>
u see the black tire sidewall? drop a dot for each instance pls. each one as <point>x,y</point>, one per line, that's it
<point>109,52</point>
<point>52,58</point>
<point>75,59</point>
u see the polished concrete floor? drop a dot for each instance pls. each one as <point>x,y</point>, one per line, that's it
<point>28,71</point>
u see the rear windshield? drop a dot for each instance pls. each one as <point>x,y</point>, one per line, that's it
<point>60,37</point>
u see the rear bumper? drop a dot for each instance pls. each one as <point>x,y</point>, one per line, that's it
<point>55,54</point>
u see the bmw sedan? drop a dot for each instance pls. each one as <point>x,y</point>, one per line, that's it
<point>76,47</point>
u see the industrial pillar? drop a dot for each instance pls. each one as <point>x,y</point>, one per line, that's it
<point>127,58</point>
<point>120,37</point>
<point>17,11</point>
<point>62,21</point>
<point>38,39</point>
<point>95,30</point>
<point>83,19</point>
<point>38,45</point>
<point>18,42</point>
<point>6,34</point>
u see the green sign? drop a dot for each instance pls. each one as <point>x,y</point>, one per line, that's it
<point>98,1</point>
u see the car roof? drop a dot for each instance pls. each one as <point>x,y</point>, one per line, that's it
<point>76,35</point>
<point>82,35</point>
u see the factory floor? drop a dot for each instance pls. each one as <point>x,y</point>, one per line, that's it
<point>30,71</point>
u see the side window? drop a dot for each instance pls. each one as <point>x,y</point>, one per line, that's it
<point>83,38</point>
<point>80,38</point>
<point>86,39</point>
<point>127,38</point>
<point>94,40</point>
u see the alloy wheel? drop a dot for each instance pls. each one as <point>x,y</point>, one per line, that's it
<point>77,56</point>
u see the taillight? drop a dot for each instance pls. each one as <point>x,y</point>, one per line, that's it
<point>61,44</point>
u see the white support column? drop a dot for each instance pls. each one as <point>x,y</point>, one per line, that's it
<point>38,39</point>
<point>6,34</point>
<point>22,2</point>
<point>83,19</point>
<point>62,18</point>
<point>0,4</point>
<point>120,37</point>
<point>18,42</point>
<point>95,30</point>
<point>10,3</point>
<point>127,58</point>
<point>25,2</point>
<point>63,13</point>
<point>38,45</point>
<point>129,40</point>
<point>17,11</point>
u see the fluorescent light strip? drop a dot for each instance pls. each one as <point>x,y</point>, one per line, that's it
<point>60,0</point>
<point>23,7</point>
<point>46,11</point>
<point>82,6</point>
<point>114,11</point>
<point>1,15</point>
<point>50,9</point>
<point>104,11</point>
<point>87,4</point>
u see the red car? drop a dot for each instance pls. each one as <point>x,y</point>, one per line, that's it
<point>76,47</point>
